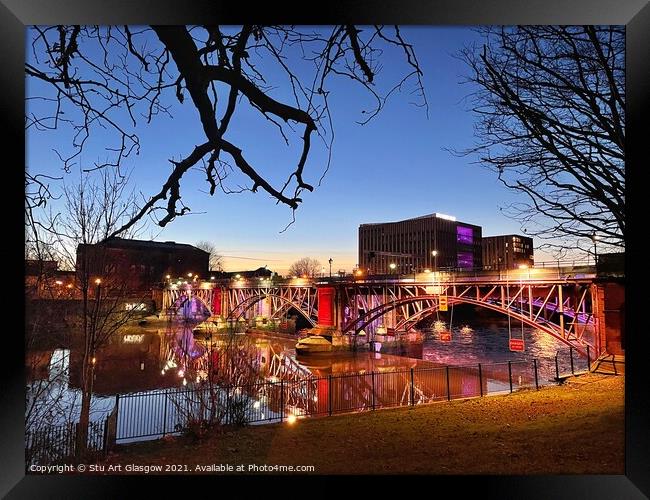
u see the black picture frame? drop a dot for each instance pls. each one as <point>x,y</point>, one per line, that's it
<point>15,15</point>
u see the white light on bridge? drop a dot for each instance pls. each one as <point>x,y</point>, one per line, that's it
<point>133,339</point>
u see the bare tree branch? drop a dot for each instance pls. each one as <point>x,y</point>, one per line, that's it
<point>550,103</point>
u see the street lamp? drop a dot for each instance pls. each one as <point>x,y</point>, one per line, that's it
<point>435,260</point>
<point>525,266</point>
<point>392,266</point>
<point>330,261</point>
<point>594,238</point>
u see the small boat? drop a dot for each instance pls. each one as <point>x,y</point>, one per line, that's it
<point>314,343</point>
<point>204,327</point>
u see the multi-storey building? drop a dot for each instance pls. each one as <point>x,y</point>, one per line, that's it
<point>433,242</point>
<point>507,251</point>
<point>140,264</point>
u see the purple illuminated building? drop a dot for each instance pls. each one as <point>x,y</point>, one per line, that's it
<point>409,244</point>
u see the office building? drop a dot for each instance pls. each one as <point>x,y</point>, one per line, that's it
<point>508,251</point>
<point>434,241</point>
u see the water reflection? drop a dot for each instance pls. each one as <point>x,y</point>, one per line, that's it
<point>145,360</point>
<point>174,357</point>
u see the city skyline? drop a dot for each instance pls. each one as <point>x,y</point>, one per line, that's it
<point>379,171</point>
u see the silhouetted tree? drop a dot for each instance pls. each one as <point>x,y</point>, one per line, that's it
<point>216,261</point>
<point>111,78</point>
<point>92,209</point>
<point>551,122</point>
<point>305,267</point>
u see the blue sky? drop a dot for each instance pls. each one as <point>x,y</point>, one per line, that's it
<point>393,168</point>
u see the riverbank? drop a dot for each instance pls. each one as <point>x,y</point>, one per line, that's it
<point>576,428</point>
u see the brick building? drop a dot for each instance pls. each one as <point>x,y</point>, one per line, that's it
<point>142,264</point>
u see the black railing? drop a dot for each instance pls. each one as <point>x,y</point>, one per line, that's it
<point>156,414</point>
<point>52,445</point>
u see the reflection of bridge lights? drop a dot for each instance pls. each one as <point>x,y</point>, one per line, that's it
<point>439,326</point>
<point>466,329</point>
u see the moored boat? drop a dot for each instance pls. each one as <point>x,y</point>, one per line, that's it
<point>312,344</point>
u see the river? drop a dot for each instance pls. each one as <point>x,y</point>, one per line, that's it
<point>146,359</point>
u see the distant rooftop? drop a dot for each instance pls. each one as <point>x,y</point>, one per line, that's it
<point>507,235</point>
<point>428,216</point>
<point>129,243</point>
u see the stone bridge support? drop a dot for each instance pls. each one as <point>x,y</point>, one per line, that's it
<point>610,315</point>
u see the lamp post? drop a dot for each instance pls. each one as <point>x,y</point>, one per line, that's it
<point>435,261</point>
<point>330,261</point>
<point>594,238</point>
<point>392,266</point>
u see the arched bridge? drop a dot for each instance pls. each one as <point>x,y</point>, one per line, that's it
<point>568,309</point>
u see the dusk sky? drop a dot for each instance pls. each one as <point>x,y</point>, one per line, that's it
<point>393,168</point>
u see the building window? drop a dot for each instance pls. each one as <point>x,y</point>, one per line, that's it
<point>464,235</point>
<point>465,260</point>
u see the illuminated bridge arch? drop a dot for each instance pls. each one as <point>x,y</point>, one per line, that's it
<point>299,299</point>
<point>183,299</point>
<point>430,303</point>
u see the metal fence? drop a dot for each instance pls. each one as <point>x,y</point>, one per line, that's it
<point>156,414</point>
<point>58,444</point>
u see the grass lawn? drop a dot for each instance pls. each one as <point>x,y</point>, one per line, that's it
<point>576,428</point>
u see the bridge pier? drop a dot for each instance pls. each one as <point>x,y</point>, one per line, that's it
<point>610,316</point>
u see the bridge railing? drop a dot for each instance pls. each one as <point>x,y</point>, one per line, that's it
<point>545,270</point>
<point>173,411</point>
